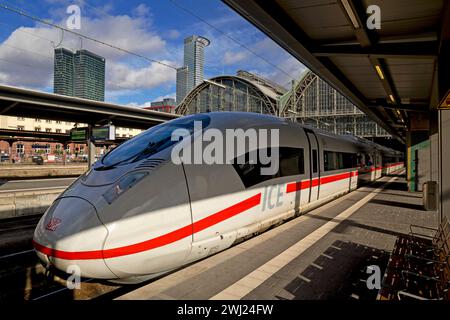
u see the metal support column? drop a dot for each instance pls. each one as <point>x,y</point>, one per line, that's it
<point>64,153</point>
<point>91,148</point>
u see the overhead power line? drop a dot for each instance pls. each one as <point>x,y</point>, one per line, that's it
<point>22,64</point>
<point>231,38</point>
<point>30,51</point>
<point>29,16</point>
<point>15,28</point>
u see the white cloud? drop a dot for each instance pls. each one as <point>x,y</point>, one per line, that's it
<point>27,60</point>
<point>114,95</point>
<point>142,10</point>
<point>122,76</point>
<point>123,32</point>
<point>3,77</point>
<point>292,70</point>
<point>230,58</point>
<point>170,95</point>
<point>223,53</point>
<point>148,103</point>
<point>126,75</point>
<point>139,105</point>
<point>26,56</point>
<point>173,34</point>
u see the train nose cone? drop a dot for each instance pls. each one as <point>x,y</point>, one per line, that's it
<point>70,236</point>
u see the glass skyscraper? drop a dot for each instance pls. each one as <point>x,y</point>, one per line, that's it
<point>191,74</point>
<point>182,80</point>
<point>89,75</point>
<point>63,72</point>
<point>80,74</point>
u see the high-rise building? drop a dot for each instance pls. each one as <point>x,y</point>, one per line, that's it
<point>89,75</point>
<point>182,80</point>
<point>63,72</point>
<point>194,60</point>
<point>80,74</point>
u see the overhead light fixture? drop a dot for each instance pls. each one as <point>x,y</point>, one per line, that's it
<point>350,13</point>
<point>392,98</point>
<point>380,72</point>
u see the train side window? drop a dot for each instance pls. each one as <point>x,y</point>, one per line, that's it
<point>339,160</point>
<point>349,160</point>
<point>369,160</point>
<point>250,173</point>
<point>329,160</point>
<point>314,156</point>
<point>291,162</point>
<point>360,160</point>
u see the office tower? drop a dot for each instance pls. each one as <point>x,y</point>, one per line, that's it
<point>194,60</point>
<point>182,80</point>
<point>89,71</point>
<point>63,72</point>
<point>80,74</point>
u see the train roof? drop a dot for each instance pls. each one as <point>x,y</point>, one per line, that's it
<point>244,119</point>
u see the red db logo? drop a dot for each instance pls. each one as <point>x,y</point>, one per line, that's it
<point>53,224</point>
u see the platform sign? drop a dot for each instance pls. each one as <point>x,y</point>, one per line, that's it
<point>78,134</point>
<point>105,133</point>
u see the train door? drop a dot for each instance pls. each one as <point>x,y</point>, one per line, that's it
<point>314,168</point>
<point>220,206</point>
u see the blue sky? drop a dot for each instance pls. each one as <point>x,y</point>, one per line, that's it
<point>155,29</point>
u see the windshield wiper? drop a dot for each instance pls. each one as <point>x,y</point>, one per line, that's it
<point>150,149</point>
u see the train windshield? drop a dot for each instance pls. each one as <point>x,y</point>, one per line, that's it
<point>150,141</point>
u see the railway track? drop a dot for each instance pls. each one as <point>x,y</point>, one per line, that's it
<point>22,277</point>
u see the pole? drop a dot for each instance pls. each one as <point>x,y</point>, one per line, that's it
<point>64,155</point>
<point>91,148</point>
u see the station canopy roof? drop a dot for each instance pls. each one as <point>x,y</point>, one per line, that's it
<point>35,104</point>
<point>389,73</point>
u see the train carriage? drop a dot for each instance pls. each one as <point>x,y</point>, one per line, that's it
<point>136,214</point>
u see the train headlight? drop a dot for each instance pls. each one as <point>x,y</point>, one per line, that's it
<point>125,183</point>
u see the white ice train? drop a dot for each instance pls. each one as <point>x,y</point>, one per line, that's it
<point>136,214</point>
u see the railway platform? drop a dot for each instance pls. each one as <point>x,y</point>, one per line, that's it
<point>323,254</point>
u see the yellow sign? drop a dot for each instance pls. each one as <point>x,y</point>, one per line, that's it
<point>445,104</point>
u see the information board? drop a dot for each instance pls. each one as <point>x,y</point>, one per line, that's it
<point>78,134</point>
<point>104,133</point>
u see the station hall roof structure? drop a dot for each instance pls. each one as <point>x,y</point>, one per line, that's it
<point>243,92</point>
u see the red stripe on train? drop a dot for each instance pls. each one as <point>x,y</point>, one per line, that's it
<point>295,186</point>
<point>158,241</point>
<point>186,230</point>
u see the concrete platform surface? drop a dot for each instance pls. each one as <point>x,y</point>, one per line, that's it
<point>19,171</point>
